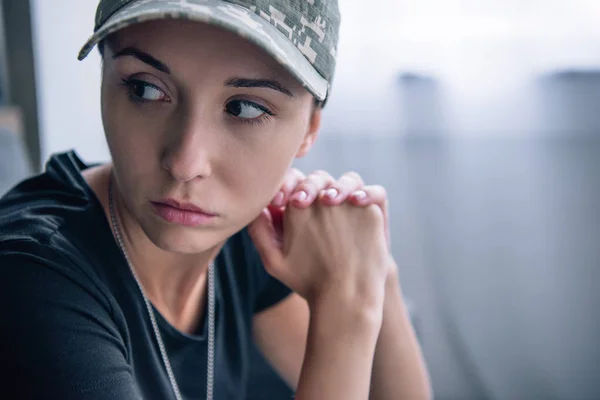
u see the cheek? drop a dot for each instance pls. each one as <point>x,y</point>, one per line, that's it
<point>131,138</point>
<point>256,173</point>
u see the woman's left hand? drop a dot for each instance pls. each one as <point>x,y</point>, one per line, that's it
<point>299,190</point>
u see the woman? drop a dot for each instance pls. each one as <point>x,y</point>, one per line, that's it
<point>146,277</point>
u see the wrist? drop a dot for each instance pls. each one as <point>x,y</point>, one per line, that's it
<point>341,342</point>
<point>392,276</point>
<point>394,299</point>
<point>338,311</point>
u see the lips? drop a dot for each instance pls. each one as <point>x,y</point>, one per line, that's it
<point>185,206</point>
<point>180,213</point>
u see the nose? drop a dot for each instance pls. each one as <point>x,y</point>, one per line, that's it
<point>187,154</point>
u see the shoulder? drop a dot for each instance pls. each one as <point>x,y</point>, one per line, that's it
<point>40,206</point>
<point>56,203</point>
<point>51,223</point>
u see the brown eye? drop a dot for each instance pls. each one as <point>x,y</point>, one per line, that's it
<point>245,109</point>
<point>145,91</point>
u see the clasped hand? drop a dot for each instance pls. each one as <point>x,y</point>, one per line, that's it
<point>327,239</point>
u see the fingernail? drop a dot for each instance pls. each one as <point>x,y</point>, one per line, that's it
<point>300,196</point>
<point>278,200</point>
<point>359,195</point>
<point>332,193</point>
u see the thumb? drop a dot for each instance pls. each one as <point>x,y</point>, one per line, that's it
<point>266,240</point>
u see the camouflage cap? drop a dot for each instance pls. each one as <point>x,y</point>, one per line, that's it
<point>301,35</point>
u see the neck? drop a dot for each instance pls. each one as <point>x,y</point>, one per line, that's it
<point>176,284</point>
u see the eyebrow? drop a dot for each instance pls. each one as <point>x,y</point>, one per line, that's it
<point>144,57</point>
<point>258,83</point>
<point>234,82</point>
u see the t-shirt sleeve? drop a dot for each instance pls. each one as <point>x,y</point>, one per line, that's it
<point>57,337</point>
<point>269,291</point>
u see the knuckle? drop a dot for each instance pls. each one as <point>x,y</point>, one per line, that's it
<point>376,191</point>
<point>296,173</point>
<point>316,181</point>
<point>320,172</point>
<point>310,183</point>
<point>272,269</point>
<point>320,181</point>
<point>323,176</point>
<point>352,175</point>
<point>374,213</point>
<point>308,189</point>
<point>380,190</point>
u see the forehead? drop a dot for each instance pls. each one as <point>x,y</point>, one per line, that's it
<point>182,43</point>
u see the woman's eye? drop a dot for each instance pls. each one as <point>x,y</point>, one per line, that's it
<point>245,109</point>
<point>144,91</point>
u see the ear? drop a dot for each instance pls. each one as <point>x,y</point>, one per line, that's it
<point>312,132</point>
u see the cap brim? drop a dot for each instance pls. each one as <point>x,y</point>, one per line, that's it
<point>231,17</point>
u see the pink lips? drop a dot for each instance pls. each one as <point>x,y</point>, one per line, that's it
<point>185,214</point>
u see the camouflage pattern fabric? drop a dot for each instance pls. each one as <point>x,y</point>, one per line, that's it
<point>302,35</point>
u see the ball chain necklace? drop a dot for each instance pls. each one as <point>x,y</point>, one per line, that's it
<point>210,359</point>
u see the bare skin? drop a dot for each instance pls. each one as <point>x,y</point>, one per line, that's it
<point>184,129</point>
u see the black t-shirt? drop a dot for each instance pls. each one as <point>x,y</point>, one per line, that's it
<point>73,324</point>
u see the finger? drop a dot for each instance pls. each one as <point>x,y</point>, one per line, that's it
<point>339,191</point>
<point>277,221</point>
<point>292,178</point>
<point>373,194</point>
<point>266,240</point>
<point>306,191</point>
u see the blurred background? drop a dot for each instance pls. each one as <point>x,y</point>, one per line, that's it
<point>481,118</point>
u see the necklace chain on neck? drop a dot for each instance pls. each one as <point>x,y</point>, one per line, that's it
<point>210,359</point>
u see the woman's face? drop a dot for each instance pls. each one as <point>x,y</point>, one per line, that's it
<point>198,115</point>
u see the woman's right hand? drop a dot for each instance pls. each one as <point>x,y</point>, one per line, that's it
<point>334,253</point>
<point>327,253</point>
